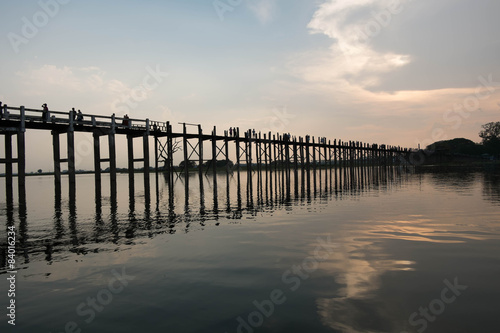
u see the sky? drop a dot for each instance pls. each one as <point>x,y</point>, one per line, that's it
<point>397,72</point>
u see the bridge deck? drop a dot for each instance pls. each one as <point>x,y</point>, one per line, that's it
<point>13,118</point>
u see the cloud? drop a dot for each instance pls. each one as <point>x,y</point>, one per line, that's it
<point>263,9</point>
<point>352,59</point>
<point>64,86</point>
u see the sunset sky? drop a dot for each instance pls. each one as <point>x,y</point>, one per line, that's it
<point>395,72</point>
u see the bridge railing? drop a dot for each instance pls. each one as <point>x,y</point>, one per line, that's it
<point>73,118</point>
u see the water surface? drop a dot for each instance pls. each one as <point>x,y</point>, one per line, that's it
<point>353,250</point>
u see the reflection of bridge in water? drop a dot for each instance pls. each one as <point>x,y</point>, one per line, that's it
<point>240,195</point>
<point>253,151</point>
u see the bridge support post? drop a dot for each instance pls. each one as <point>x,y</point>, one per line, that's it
<point>237,142</point>
<point>214,150</point>
<point>97,165</point>
<point>147,187</point>
<point>8,166</point>
<point>56,152</point>
<point>226,151</point>
<point>71,160</point>
<point>21,159</point>
<point>131,174</point>
<point>112,161</point>
<point>200,153</point>
<point>170,153</point>
<point>185,150</point>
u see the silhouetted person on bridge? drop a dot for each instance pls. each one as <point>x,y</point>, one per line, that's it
<point>79,117</point>
<point>45,112</point>
<point>72,113</point>
<point>125,121</point>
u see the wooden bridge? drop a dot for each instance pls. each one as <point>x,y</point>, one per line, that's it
<point>253,150</point>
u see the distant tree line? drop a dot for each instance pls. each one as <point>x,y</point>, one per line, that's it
<point>490,144</point>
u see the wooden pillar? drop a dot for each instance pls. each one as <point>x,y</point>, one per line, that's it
<point>130,150</point>
<point>56,153</point>
<point>157,176</point>
<point>214,150</point>
<point>71,160</point>
<point>226,145</point>
<point>97,163</point>
<point>335,152</point>
<point>185,150</point>
<point>314,153</point>
<point>258,153</point>
<point>112,161</point>
<point>295,157</point>
<point>266,144</point>
<point>287,150</point>
<point>301,152</point>
<point>269,151</point>
<point>8,164</point>
<point>21,158</point>
<point>250,150</point>
<point>324,153</point>
<point>145,148</point>
<point>237,142</point>
<point>274,151</point>
<point>330,154</point>
<point>308,156</point>
<point>200,152</point>
<point>170,161</point>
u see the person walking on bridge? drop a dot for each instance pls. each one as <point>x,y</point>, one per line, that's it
<point>45,112</point>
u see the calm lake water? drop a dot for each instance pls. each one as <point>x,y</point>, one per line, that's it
<point>358,250</point>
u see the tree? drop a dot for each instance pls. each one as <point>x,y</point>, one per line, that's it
<point>490,132</point>
<point>39,170</point>
<point>491,137</point>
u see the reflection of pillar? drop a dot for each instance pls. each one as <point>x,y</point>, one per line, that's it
<point>228,197</point>
<point>72,216</point>
<point>238,194</point>
<point>23,222</point>
<point>115,230</point>
<point>202,197</point>
<point>99,223</point>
